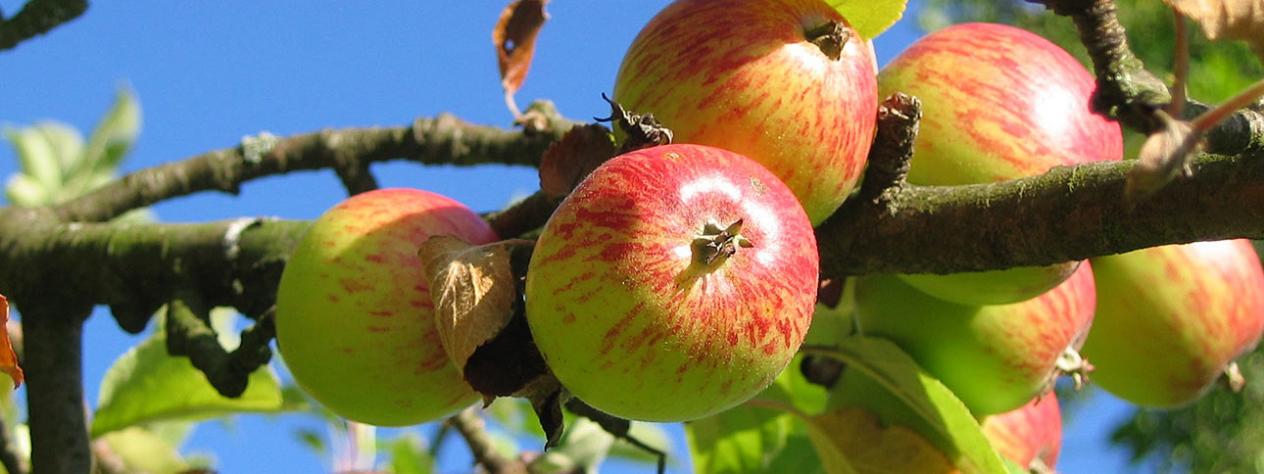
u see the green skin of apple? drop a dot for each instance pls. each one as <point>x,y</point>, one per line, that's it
<point>355,322</point>
<point>998,103</point>
<point>1171,318</point>
<point>994,358</point>
<point>743,76</point>
<point>628,317</point>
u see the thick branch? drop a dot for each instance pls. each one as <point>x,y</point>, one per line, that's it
<point>36,18</point>
<point>54,390</point>
<point>137,267</point>
<point>443,140</point>
<point>1065,214</point>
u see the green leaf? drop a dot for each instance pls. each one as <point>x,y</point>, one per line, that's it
<point>651,434</point>
<point>752,438</point>
<point>142,451</point>
<point>145,385</point>
<point>409,455</point>
<point>65,142</point>
<point>114,135</point>
<point>37,157</point>
<point>22,190</point>
<point>929,400</point>
<point>582,449</point>
<point>870,17</point>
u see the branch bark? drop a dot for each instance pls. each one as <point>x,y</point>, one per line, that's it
<point>36,18</point>
<point>54,389</point>
<point>445,140</point>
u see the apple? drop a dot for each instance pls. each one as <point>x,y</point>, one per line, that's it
<point>354,318</point>
<point>1029,434</point>
<point>998,103</point>
<point>674,282</point>
<point>1171,318</point>
<point>787,83</point>
<point>994,358</point>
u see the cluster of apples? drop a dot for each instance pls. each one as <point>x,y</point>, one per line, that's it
<point>678,281</point>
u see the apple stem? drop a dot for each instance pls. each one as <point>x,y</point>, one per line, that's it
<point>831,37</point>
<point>716,244</point>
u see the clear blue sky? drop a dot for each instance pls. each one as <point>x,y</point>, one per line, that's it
<point>209,73</point>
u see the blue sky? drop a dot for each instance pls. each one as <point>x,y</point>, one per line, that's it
<point>209,73</point>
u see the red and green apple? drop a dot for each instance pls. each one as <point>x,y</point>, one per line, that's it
<point>354,318</point>
<point>1171,318</point>
<point>998,103</point>
<point>1031,435</point>
<point>674,282</point>
<point>787,83</point>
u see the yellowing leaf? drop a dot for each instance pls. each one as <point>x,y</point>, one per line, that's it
<point>1234,19</point>
<point>473,292</point>
<point>870,17</point>
<point>8,357</point>
<point>857,437</point>
<point>514,37</point>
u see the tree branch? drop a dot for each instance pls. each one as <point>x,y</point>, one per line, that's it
<point>471,428</point>
<point>54,389</point>
<point>444,140</point>
<point>36,18</point>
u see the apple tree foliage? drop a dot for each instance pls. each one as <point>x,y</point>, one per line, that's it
<point>1222,432</point>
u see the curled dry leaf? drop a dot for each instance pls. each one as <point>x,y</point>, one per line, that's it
<point>1164,155</point>
<point>569,160</point>
<point>473,290</point>
<point>8,357</point>
<point>858,437</point>
<point>514,38</point>
<point>479,316</point>
<point>1234,19</point>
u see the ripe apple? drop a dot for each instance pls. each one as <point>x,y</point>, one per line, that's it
<point>1029,433</point>
<point>994,358</point>
<point>1171,318</point>
<point>674,282</point>
<point>998,103</point>
<point>787,83</point>
<point>354,317</point>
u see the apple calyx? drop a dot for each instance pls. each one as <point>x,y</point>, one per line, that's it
<point>715,245</point>
<point>831,37</point>
<point>1071,363</point>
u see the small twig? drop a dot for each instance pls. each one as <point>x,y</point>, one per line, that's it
<point>1180,65</point>
<point>36,18</point>
<point>472,428</point>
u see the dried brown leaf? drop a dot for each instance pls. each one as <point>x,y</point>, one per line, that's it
<point>8,357</point>
<point>514,37</point>
<point>473,292</point>
<point>1234,19</point>
<point>569,160</point>
<point>859,438</point>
